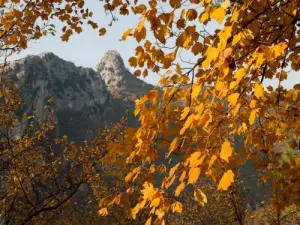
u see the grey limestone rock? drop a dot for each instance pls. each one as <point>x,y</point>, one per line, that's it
<point>85,100</point>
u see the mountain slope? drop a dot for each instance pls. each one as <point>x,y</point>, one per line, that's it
<point>85,100</point>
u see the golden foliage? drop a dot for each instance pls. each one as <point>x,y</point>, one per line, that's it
<point>220,95</point>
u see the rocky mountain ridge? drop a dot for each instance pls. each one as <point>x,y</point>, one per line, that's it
<point>85,99</point>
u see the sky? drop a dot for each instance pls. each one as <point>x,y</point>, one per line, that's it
<point>87,48</point>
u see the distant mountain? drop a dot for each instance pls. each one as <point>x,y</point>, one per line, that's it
<point>85,99</point>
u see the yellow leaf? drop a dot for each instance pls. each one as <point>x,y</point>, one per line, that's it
<point>132,175</point>
<point>212,160</point>
<point>211,54</point>
<point>237,38</point>
<point>239,75</point>
<point>184,113</point>
<point>179,189</point>
<point>279,49</point>
<point>155,202</point>
<point>173,170</point>
<point>103,212</point>
<point>136,210</point>
<point>226,151</point>
<point>187,124</point>
<point>236,109</point>
<point>184,79</point>
<point>258,90</point>
<point>253,116</point>
<point>126,34</point>
<point>182,176</point>
<point>248,34</point>
<point>226,180</point>
<point>195,160</point>
<point>204,17</point>
<point>173,146</point>
<point>232,99</point>
<point>200,197</point>
<point>196,91</point>
<point>227,53</point>
<point>218,14</point>
<point>252,104</point>
<point>177,207</point>
<point>141,24</point>
<point>235,15</point>
<point>226,4</point>
<point>260,58</point>
<point>194,174</point>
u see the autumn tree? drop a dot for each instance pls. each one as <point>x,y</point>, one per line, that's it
<point>47,179</point>
<point>201,104</point>
<point>221,94</point>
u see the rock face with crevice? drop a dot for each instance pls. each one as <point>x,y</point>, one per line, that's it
<point>85,100</point>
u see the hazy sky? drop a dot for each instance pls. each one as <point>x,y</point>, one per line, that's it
<point>86,49</point>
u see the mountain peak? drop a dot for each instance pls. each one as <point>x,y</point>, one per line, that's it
<point>47,54</point>
<point>119,81</point>
<point>113,55</point>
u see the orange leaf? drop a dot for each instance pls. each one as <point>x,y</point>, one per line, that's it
<point>258,90</point>
<point>187,124</point>
<point>103,212</point>
<point>253,116</point>
<point>218,14</point>
<point>233,98</point>
<point>102,31</point>
<point>196,91</point>
<point>148,222</point>
<point>212,160</point>
<point>226,151</point>
<point>179,189</point>
<point>184,113</point>
<point>226,180</point>
<point>141,24</point>
<point>194,174</point>
<point>126,34</point>
<point>211,54</point>
<point>177,207</point>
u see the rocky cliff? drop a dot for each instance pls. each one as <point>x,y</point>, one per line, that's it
<point>119,81</point>
<point>85,100</point>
